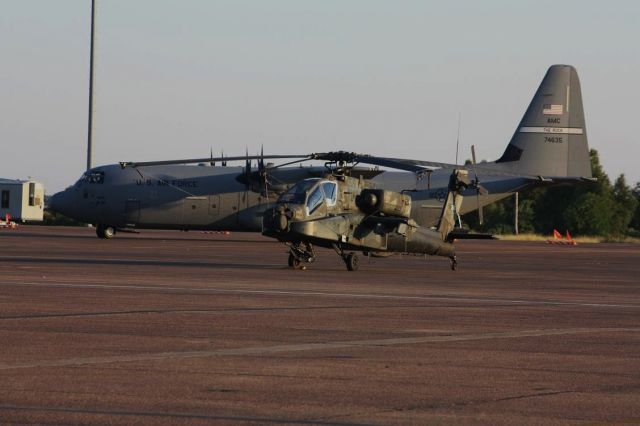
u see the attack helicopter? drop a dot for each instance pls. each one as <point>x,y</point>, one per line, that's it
<point>350,214</point>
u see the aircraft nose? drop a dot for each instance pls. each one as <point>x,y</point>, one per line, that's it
<point>57,202</point>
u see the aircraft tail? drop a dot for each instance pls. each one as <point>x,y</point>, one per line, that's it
<point>551,139</point>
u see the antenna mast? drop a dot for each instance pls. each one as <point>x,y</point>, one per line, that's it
<point>458,137</point>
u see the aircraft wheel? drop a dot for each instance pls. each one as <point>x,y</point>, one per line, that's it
<point>352,261</point>
<point>294,262</point>
<point>105,232</point>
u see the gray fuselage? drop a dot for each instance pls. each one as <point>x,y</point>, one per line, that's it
<point>214,198</point>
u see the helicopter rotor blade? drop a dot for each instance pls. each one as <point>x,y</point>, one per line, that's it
<point>352,157</point>
<point>411,165</point>
<point>433,165</point>
<point>224,158</point>
<point>288,163</point>
<point>473,158</point>
<point>337,156</point>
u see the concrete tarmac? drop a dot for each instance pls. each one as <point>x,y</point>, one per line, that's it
<point>167,327</point>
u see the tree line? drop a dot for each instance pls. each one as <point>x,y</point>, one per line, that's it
<point>591,209</point>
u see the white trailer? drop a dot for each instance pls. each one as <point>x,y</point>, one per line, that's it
<point>23,200</point>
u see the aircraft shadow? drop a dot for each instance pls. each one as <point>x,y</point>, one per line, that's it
<point>139,262</point>
<point>140,237</point>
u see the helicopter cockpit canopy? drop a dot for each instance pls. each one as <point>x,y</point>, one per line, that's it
<point>312,192</point>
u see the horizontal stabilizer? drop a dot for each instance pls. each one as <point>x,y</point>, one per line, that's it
<point>464,234</point>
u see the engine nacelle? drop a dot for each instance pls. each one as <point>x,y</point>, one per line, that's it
<point>389,203</point>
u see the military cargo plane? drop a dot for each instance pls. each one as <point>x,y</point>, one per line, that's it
<point>549,146</point>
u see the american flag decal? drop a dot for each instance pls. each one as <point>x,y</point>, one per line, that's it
<point>552,109</point>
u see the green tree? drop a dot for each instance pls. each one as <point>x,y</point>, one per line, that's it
<point>586,209</point>
<point>592,208</point>
<point>635,219</point>
<point>526,214</point>
<point>625,206</point>
<point>590,214</point>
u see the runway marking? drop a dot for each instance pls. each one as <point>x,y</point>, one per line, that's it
<point>179,311</point>
<point>300,347</point>
<point>144,262</point>
<point>428,297</point>
<point>220,418</point>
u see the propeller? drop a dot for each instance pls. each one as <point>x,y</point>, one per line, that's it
<point>262,173</point>
<point>476,184</point>
<point>261,160</point>
<point>247,165</point>
<point>260,180</point>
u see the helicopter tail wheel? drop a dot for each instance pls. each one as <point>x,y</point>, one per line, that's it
<point>295,262</point>
<point>454,263</point>
<point>352,261</point>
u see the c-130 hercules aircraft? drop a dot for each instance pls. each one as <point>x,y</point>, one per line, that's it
<point>549,146</point>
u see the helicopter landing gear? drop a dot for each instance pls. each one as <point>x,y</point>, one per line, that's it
<point>294,262</point>
<point>454,262</point>
<point>299,254</point>
<point>350,259</point>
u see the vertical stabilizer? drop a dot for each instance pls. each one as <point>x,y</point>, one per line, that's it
<point>551,139</point>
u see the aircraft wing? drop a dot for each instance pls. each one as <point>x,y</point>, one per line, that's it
<point>410,165</point>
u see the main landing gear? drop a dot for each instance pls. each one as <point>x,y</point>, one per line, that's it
<point>350,259</point>
<point>299,254</point>
<point>302,253</point>
<point>105,232</point>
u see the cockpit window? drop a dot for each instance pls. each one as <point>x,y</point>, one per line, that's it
<point>330,192</point>
<point>298,192</point>
<point>92,177</point>
<point>315,199</point>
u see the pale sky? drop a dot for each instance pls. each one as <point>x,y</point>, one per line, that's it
<point>177,78</point>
